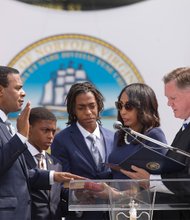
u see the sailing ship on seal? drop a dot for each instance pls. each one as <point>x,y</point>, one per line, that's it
<point>56,89</point>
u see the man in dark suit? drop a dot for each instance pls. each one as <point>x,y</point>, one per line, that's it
<point>72,145</point>
<point>177,91</point>
<point>15,178</point>
<point>46,204</point>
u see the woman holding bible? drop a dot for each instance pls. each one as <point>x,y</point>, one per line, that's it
<point>138,110</point>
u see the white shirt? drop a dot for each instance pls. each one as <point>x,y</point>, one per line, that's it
<point>34,152</point>
<point>187,120</point>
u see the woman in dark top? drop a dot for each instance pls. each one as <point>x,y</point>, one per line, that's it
<point>138,109</point>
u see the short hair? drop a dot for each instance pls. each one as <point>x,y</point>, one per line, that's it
<point>40,113</point>
<point>180,75</point>
<point>4,72</point>
<point>75,90</point>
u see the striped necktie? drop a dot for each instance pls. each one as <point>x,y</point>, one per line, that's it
<point>95,151</point>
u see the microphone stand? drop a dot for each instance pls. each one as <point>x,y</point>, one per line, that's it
<point>175,149</point>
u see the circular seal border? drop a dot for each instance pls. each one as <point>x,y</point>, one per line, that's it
<point>95,40</point>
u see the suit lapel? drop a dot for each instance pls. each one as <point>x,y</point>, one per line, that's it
<point>31,164</point>
<point>180,141</point>
<point>23,164</point>
<point>179,136</point>
<point>106,143</point>
<point>49,162</point>
<point>50,166</point>
<point>20,158</point>
<point>5,130</point>
<point>29,159</point>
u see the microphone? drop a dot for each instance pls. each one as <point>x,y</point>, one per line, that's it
<point>118,125</point>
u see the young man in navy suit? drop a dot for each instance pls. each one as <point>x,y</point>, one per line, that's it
<point>15,179</point>
<point>72,145</point>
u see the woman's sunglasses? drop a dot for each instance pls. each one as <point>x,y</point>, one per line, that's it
<point>129,106</point>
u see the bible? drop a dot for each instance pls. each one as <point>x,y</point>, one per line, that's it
<point>150,160</point>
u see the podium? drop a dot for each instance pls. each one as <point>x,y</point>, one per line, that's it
<point>128,199</point>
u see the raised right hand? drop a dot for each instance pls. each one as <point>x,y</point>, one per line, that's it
<point>23,121</point>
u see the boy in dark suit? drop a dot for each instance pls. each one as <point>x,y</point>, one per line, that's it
<point>46,204</point>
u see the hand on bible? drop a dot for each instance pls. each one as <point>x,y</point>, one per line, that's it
<point>65,177</point>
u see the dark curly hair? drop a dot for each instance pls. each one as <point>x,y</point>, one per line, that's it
<point>77,89</point>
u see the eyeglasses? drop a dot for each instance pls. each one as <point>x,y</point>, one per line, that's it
<point>129,106</point>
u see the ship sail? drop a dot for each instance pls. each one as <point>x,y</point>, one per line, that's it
<point>56,89</point>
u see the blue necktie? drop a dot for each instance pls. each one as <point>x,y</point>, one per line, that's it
<point>184,126</point>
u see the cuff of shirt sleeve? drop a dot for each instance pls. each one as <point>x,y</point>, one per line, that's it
<point>158,185</point>
<point>51,177</point>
